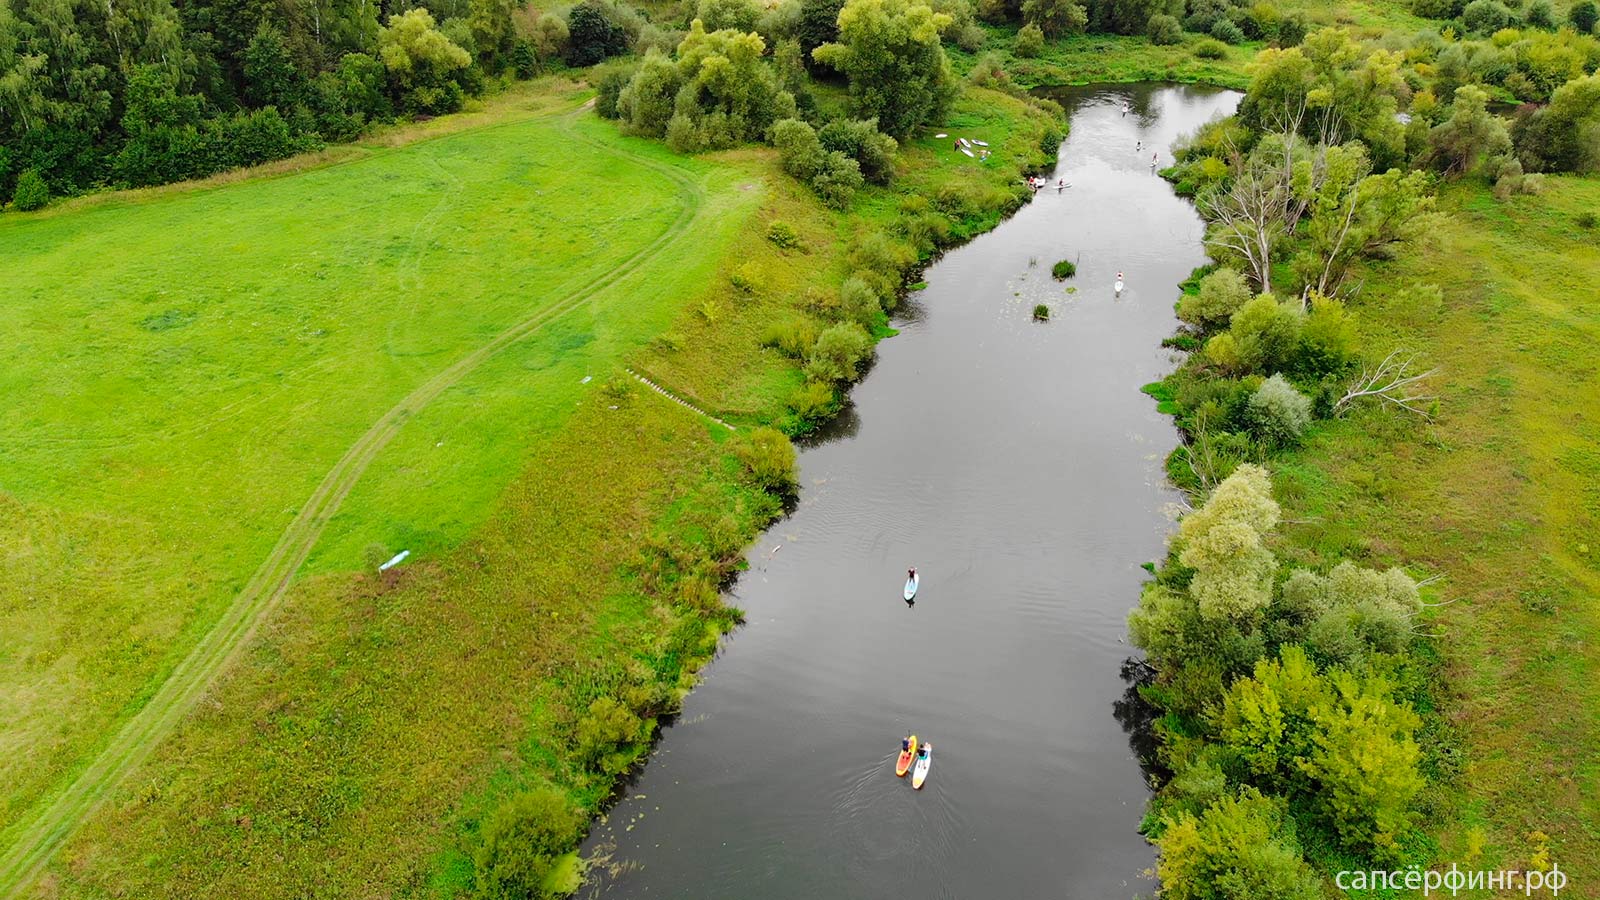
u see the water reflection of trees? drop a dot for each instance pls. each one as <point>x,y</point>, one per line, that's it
<point>1138,716</point>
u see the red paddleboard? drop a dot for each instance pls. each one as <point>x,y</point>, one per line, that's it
<point>903,764</point>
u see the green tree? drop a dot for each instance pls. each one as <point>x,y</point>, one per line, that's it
<point>739,15</point>
<point>891,54</point>
<point>645,104</point>
<point>492,31</point>
<point>729,93</point>
<point>1237,849</point>
<point>1564,136</point>
<point>1267,721</point>
<point>1365,764</point>
<point>1224,541</point>
<point>1220,295</point>
<point>819,23</point>
<point>1583,15</point>
<point>270,75</point>
<point>1461,144</point>
<point>424,66</point>
<point>593,34</point>
<point>1055,17</point>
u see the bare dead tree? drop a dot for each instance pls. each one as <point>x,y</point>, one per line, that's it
<point>1247,219</point>
<point>1391,382</point>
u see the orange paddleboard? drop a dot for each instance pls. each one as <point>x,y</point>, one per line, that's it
<point>903,764</point>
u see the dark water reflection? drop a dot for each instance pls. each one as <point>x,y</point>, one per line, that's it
<point>1016,464</point>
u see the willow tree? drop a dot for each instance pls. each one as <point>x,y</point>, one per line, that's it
<point>1224,541</point>
<point>891,54</point>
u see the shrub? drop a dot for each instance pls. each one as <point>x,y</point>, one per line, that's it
<point>769,459</point>
<point>608,87</point>
<point>1583,16</point>
<point>1277,413</point>
<point>1587,220</point>
<point>1210,48</point>
<point>813,403</point>
<point>32,191</point>
<point>838,181</point>
<point>1221,295</point>
<point>1267,335</point>
<point>792,338</point>
<point>607,725</point>
<point>1485,16</point>
<point>1041,312</point>
<point>1030,42</point>
<point>1063,270</point>
<point>971,38</point>
<point>519,841</point>
<point>1365,765</point>
<point>740,15</point>
<point>1540,15</point>
<point>1327,339</point>
<point>1227,32</point>
<point>838,354</point>
<point>1237,848</point>
<point>859,303</point>
<point>748,279</point>
<point>783,235</point>
<point>860,139</point>
<point>1164,30</point>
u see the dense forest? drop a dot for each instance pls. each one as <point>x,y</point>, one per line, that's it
<point>127,94</point>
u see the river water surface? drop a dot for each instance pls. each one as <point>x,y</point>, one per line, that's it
<point>1018,467</point>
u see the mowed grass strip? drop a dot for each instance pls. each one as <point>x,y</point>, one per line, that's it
<point>1501,496</point>
<point>188,366</point>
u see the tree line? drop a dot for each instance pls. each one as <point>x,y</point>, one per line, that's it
<point>1297,702</point>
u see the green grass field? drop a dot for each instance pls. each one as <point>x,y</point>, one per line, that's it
<point>1501,496</point>
<point>187,370</point>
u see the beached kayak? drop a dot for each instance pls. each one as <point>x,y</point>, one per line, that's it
<point>903,764</point>
<point>911,586</point>
<point>924,760</point>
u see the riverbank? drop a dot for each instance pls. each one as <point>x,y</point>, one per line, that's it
<point>374,732</point>
<point>1498,495</point>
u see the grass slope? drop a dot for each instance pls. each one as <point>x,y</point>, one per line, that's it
<point>1502,496</point>
<point>170,435</point>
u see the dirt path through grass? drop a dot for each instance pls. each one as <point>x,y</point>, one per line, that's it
<point>212,654</point>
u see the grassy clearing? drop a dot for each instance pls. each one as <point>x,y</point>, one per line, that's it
<point>1502,495</point>
<point>1109,58</point>
<point>308,305</point>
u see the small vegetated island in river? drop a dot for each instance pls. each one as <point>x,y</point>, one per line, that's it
<point>482,249</point>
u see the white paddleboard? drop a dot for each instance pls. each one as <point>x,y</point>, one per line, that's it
<point>920,773</point>
<point>911,586</point>
<point>981,143</point>
<point>968,152</point>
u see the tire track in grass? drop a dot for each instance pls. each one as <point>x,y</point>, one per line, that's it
<point>37,843</point>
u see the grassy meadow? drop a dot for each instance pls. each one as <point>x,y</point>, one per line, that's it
<point>1500,495</point>
<point>187,367</point>
<point>429,334</point>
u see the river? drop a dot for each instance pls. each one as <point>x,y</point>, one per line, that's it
<point>1016,464</point>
